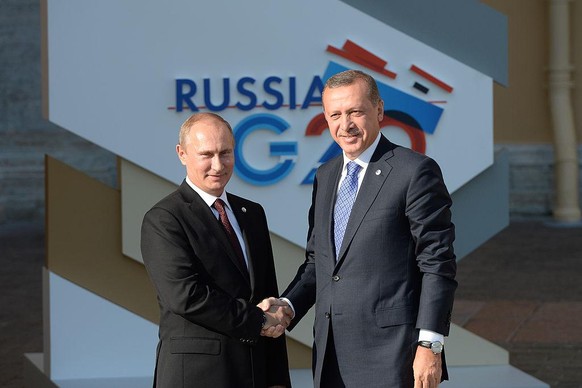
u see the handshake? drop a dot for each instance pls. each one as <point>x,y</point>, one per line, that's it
<point>278,314</point>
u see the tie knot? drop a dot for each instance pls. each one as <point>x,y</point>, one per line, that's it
<point>219,205</point>
<point>352,168</point>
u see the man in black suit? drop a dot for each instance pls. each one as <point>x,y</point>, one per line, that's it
<point>379,265</point>
<point>209,256</point>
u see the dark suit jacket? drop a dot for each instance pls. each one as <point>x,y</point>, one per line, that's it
<point>394,274</point>
<point>209,323</point>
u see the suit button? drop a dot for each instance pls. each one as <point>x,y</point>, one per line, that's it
<point>335,278</point>
<point>327,315</point>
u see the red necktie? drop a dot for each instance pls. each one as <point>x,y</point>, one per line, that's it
<point>219,206</point>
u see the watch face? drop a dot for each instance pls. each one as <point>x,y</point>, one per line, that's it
<point>436,347</point>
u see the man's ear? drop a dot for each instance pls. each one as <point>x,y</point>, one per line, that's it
<point>181,154</point>
<point>380,110</point>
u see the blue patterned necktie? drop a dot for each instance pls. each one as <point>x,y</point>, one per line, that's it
<point>346,197</point>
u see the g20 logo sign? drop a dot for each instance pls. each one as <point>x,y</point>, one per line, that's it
<point>414,116</point>
<point>272,87</point>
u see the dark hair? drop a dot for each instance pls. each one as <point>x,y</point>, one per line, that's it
<point>348,77</point>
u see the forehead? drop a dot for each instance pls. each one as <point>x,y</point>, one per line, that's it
<point>213,138</point>
<point>209,131</point>
<point>355,93</point>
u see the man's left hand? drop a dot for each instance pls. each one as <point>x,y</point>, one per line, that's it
<point>427,368</point>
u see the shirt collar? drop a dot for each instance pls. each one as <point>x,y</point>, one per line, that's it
<point>364,159</point>
<point>209,199</point>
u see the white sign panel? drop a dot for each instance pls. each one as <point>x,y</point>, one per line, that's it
<point>126,74</point>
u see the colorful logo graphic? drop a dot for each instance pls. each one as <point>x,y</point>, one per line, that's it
<point>413,115</point>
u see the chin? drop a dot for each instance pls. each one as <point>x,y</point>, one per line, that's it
<point>352,148</point>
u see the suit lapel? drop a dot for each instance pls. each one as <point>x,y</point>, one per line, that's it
<point>330,186</point>
<point>240,212</point>
<point>376,174</point>
<point>209,221</point>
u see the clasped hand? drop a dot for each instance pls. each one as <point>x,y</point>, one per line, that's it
<point>278,314</point>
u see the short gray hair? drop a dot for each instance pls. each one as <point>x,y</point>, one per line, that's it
<point>348,77</point>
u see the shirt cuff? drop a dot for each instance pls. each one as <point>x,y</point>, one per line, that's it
<point>290,305</point>
<point>431,336</point>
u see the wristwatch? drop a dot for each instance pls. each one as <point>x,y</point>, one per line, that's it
<point>436,346</point>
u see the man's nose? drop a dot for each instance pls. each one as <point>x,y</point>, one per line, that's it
<point>345,123</point>
<point>216,163</point>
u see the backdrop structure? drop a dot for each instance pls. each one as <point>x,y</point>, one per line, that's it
<point>126,79</point>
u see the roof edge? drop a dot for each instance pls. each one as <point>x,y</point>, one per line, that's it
<point>469,31</point>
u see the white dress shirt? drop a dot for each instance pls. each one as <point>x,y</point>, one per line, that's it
<point>209,199</point>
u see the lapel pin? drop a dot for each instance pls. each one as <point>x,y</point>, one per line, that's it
<point>244,209</point>
<point>378,172</point>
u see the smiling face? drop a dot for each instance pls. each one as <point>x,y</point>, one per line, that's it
<point>353,119</point>
<point>207,151</point>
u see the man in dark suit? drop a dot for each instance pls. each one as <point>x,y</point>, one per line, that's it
<point>209,256</point>
<point>381,273</point>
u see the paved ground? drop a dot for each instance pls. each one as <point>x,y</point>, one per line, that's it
<point>521,290</point>
<point>21,260</point>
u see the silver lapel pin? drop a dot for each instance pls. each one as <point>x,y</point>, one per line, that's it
<point>244,209</point>
<point>378,172</point>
